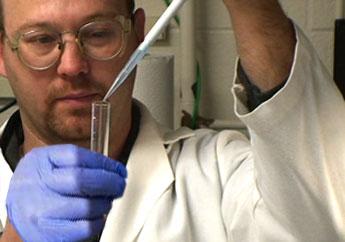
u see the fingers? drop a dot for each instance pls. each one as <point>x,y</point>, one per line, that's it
<point>78,230</point>
<point>74,156</point>
<point>75,208</point>
<point>73,181</point>
<point>74,171</point>
<point>67,193</point>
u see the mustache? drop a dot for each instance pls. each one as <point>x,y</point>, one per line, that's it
<point>75,86</point>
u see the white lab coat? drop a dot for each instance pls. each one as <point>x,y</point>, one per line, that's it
<point>287,184</point>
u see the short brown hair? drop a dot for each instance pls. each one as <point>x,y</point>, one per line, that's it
<point>1,17</point>
<point>131,5</point>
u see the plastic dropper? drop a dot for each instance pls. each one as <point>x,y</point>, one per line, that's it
<point>100,122</point>
<point>140,52</point>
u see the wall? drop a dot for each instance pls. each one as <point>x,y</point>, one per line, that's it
<point>215,49</point>
<point>5,90</point>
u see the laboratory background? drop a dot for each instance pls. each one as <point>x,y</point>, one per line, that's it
<point>187,75</point>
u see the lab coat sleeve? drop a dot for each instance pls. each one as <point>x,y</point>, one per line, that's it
<point>298,147</point>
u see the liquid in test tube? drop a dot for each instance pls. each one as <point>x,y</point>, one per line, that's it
<point>100,127</point>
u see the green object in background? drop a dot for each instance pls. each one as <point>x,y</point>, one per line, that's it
<point>177,19</point>
<point>197,89</point>
<point>197,97</point>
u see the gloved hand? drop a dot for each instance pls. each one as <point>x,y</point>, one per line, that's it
<point>62,193</point>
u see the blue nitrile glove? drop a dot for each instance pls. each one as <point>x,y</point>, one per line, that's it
<point>62,193</point>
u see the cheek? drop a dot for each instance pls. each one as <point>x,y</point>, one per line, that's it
<point>30,93</point>
<point>106,72</point>
<point>109,70</point>
<point>30,97</point>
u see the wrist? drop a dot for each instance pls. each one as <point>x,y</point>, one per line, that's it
<point>10,234</point>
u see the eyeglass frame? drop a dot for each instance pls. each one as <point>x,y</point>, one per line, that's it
<point>126,24</point>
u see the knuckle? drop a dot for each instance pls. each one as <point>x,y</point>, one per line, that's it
<point>121,188</point>
<point>72,149</point>
<point>76,181</point>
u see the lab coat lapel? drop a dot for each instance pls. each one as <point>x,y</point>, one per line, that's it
<point>149,175</point>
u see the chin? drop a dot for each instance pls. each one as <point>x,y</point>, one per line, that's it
<point>71,129</point>
<point>71,134</point>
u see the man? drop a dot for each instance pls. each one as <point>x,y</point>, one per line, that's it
<point>285,185</point>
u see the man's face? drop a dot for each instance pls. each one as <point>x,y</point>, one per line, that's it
<point>55,103</point>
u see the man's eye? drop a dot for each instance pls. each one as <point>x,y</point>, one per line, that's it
<point>41,39</point>
<point>45,39</point>
<point>100,34</point>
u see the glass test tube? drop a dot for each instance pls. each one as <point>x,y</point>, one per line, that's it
<point>100,127</point>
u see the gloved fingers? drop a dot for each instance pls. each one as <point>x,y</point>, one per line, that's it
<point>78,230</point>
<point>85,182</point>
<point>76,208</point>
<point>74,156</point>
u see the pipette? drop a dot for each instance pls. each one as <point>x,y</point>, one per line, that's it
<point>101,110</point>
<point>140,52</point>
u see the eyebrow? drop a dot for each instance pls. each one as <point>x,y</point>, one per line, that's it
<point>34,24</point>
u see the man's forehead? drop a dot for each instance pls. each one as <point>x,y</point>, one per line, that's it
<point>53,10</point>
<point>9,4</point>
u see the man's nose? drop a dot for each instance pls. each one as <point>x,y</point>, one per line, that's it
<point>72,61</point>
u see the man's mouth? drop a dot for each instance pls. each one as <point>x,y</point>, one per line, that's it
<point>79,98</point>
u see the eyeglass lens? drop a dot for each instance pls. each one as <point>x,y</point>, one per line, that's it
<point>100,40</point>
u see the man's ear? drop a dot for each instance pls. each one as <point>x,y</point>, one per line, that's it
<point>139,24</point>
<point>2,46</point>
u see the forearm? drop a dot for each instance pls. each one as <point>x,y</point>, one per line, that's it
<point>10,234</point>
<point>265,40</point>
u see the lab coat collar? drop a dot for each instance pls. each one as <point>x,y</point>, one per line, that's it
<point>149,176</point>
<point>5,175</point>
